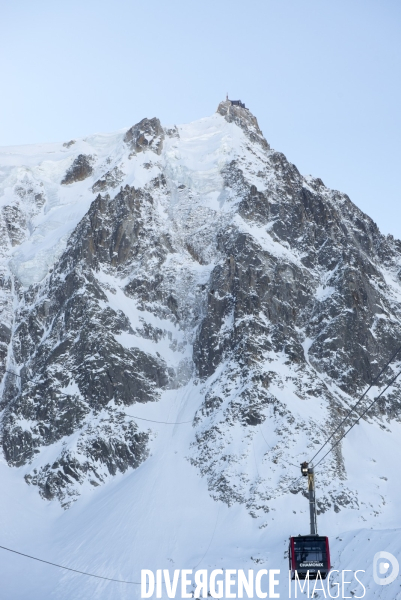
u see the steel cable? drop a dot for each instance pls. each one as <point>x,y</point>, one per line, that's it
<point>360,417</point>
<point>356,404</point>
<point>47,562</point>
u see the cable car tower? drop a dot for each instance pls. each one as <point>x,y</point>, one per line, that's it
<point>309,553</point>
<point>308,471</point>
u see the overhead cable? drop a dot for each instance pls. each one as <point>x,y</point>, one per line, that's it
<point>360,417</point>
<point>162,422</point>
<point>47,562</point>
<point>357,403</point>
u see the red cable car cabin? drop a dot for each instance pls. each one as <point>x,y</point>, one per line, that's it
<point>309,553</point>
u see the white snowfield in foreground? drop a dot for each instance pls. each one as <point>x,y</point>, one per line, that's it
<point>161,515</point>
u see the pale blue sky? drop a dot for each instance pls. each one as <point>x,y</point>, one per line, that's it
<point>322,77</point>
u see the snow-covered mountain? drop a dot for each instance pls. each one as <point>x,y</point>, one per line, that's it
<point>188,275</point>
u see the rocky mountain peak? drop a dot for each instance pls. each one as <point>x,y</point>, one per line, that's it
<point>191,271</point>
<point>244,119</point>
<point>147,134</point>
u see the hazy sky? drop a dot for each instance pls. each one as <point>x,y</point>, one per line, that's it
<point>321,76</point>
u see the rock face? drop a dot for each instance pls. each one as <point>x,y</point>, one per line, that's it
<point>244,119</point>
<point>111,179</point>
<point>148,134</point>
<point>217,270</point>
<point>80,169</point>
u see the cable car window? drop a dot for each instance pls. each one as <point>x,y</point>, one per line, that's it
<point>306,551</point>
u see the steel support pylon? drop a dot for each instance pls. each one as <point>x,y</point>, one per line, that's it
<point>312,501</point>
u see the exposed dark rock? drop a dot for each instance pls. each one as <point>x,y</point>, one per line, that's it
<point>111,179</point>
<point>102,452</point>
<point>148,134</point>
<point>80,169</point>
<point>16,223</point>
<point>244,119</point>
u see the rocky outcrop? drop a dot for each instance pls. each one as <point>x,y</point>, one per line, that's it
<point>101,452</point>
<point>148,134</point>
<point>80,169</point>
<point>80,343</point>
<point>111,179</point>
<point>244,119</point>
